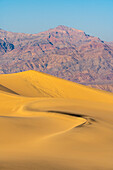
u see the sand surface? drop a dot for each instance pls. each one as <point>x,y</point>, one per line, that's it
<point>47,123</point>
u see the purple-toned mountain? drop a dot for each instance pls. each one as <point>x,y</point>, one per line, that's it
<point>5,46</point>
<point>64,52</point>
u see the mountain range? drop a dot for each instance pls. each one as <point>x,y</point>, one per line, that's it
<point>64,52</point>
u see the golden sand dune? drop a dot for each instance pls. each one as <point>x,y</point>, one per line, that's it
<point>47,123</point>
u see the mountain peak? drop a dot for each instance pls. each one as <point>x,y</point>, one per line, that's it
<point>62,27</point>
<point>66,28</point>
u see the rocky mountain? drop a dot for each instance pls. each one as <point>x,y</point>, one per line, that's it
<point>64,52</point>
<point>110,43</point>
<point>5,46</point>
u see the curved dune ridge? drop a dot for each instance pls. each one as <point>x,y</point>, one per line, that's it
<point>47,123</point>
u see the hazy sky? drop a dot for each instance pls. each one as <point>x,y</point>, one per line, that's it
<point>95,17</point>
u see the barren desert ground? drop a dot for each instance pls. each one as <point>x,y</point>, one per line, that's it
<point>47,123</point>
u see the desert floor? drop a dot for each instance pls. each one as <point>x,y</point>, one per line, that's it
<point>47,123</point>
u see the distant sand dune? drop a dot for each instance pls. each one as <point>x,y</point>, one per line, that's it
<point>47,123</point>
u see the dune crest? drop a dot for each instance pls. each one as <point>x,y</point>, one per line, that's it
<point>50,123</point>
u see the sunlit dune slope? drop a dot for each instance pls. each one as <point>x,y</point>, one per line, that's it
<point>47,123</point>
<point>37,84</point>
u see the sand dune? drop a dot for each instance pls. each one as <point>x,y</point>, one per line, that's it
<point>50,123</point>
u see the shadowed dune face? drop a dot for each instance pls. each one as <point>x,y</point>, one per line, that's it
<point>50,123</point>
<point>5,89</point>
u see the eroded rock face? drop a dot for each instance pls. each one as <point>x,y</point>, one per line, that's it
<point>5,46</point>
<point>64,52</point>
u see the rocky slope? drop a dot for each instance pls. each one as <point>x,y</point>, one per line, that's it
<point>5,46</point>
<point>64,52</point>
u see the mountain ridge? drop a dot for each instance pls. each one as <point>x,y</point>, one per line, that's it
<point>62,51</point>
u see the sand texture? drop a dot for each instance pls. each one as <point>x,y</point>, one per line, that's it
<point>47,123</point>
